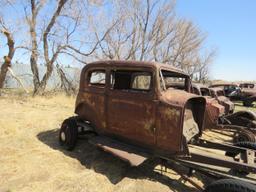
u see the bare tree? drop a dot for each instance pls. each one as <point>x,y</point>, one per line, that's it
<point>150,30</point>
<point>32,22</point>
<point>58,37</point>
<point>11,50</point>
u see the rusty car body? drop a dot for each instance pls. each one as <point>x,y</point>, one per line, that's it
<point>214,110</point>
<point>139,110</point>
<point>248,92</point>
<point>112,108</point>
<point>219,94</point>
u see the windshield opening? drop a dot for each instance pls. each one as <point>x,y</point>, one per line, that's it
<point>173,80</point>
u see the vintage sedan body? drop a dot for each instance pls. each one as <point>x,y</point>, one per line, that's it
<point>139,103</point>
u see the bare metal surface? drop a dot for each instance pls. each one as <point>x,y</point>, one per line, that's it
<point>125,152</point>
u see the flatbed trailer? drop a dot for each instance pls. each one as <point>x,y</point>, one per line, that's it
<point>201,159</point>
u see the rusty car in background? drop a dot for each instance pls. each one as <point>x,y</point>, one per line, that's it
<point>244,92</point>
<point>220,114</point>
<point>247,85</point>
<point>219,94</point>
<point>248,91</point>
<point>136,111</point>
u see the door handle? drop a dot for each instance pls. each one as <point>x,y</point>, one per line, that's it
<point>153,129</point>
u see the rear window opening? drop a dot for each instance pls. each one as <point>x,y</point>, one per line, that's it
<point>131,80</point>
<point>97,78</point>
<point>220,93</point>
<point>205,92</point>
<point>249,86</point>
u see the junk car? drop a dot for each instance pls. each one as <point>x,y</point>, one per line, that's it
<point>243,92</point>
<point>219,94</point>
<point>219,114</point>
<point>144,110</point>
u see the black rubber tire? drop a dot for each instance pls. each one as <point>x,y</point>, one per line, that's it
<point>245,144</point>
<point>244,136</point>
<point>230,185</point>
<point>70,130</point>
<point>248,103</point>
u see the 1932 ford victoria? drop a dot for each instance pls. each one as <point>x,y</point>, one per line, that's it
<point>139,110</point>
<point>138,102</point>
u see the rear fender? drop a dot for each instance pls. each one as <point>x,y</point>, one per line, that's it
<point>87,113</point>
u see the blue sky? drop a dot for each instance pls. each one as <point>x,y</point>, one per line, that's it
<point>231,28</point>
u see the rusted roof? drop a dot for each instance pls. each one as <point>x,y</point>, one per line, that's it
<point>131,63</point>
<point>223,84</point>
<point>216,89</point>
<point>199,85</point>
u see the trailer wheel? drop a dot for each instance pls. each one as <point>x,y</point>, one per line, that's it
<point>68,133</point>
<point>230,185</point>
<point>245,144</point>
<point>248,145</point>
<point>244,136</point>
<point>248,103</point>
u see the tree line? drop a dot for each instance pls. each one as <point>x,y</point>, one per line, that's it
<point>48,31</point>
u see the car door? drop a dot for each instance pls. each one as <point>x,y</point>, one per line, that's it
<point>94,95</point>
<point>130,106</point>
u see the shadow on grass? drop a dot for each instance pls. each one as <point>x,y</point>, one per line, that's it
<point>242,107</point>
<point>113,168</point>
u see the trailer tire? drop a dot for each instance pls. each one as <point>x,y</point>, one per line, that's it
<point>245,144</point>
<point>68,133</point>
<point>248,103</point>
<point>244,136</point>
<point>230,185</point>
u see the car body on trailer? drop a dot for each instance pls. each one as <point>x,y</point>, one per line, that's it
<point>141,110</point>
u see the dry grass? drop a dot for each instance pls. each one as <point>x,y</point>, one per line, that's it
<point>32,160</point>
<point>239,107</point>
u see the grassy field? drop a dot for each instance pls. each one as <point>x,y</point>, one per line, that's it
<point>32,160</point>
<point>239,107</point>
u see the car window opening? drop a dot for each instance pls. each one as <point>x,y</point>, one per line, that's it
<point>131,80</point>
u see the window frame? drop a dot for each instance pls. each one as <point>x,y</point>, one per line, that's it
<point>96,85</point>
<point>135,70</point>
<point>187,82</point>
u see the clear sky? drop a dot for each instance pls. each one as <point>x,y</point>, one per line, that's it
<point>231,28</point>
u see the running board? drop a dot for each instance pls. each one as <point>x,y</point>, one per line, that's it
<point>123,151</point>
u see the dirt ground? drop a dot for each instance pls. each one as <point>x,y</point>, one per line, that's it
<point>32,160</point>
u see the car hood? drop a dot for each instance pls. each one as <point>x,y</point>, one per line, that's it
<point>178,97</point>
